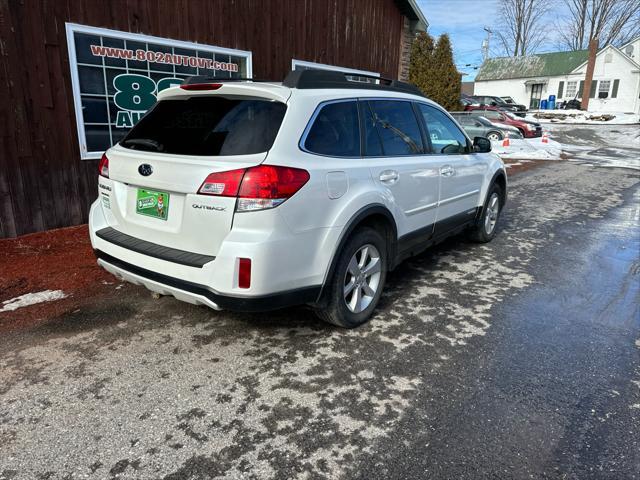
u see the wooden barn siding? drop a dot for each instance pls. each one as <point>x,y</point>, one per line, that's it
<point>43,182</point>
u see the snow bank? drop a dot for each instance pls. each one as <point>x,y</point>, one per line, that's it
<point>579,116</point>
<point>31,299</point>
<point>528,149</point>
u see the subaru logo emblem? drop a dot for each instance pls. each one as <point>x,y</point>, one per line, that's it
<point>145,169</point>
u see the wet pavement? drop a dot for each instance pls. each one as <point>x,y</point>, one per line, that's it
<point>600,145</point>
<point>515,359</point>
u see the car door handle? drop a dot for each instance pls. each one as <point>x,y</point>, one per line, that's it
<point>447,171</point>
<point>389,177</point>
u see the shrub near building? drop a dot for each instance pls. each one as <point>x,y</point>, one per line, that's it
<point>433,70</point>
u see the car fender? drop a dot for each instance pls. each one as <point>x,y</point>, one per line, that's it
<point>356,216</point>
<point>495,169</point>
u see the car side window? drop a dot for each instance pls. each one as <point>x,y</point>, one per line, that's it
<point>371,137</point>
<point>492,114</point>
<point>446,137</point>
<point>397,128</point>
<point>335,131</point>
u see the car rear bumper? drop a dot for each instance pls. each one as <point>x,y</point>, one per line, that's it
<point>201,295</point>
<point>281,272</point>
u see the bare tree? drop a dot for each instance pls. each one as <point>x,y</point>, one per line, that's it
<point>522,27</point>
<point>611,21</point>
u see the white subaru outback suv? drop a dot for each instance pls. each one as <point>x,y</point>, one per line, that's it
<point>252,196</point>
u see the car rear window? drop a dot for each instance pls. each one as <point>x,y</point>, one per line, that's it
<point>335,131</point>
<point>208,126</point>
<point>397,128</point>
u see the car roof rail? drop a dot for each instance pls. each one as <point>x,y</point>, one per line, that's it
<point>311,79</point>
<point>209,79</point>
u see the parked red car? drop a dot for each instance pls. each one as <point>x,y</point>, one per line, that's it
<point>497,116</point>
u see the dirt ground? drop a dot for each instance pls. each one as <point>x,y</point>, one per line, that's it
<point>59,259</point>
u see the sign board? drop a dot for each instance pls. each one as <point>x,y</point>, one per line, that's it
<point>116,76</point>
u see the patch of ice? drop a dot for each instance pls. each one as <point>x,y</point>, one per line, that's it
<point>31,299</point>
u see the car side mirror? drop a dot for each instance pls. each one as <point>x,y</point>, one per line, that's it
<point>481,145</point>
<point>493,104</point>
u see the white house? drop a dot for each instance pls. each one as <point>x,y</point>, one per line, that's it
<point>615,86</point>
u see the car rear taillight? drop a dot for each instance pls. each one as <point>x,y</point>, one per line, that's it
<point>267,186</point>
<point>103,166</point>
<point>201,86</point>
<point>222,184</point>
<point>257,188</point>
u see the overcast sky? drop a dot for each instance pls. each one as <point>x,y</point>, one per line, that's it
<point>464,21</point>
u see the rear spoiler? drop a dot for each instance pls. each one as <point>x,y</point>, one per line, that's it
<point>227,86</point>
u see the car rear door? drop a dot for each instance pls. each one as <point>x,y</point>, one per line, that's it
<point>394,150</point>
<point>156,172</point>
<point>461,171</point>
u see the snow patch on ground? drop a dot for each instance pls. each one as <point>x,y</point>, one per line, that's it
<point>528,149</point>
<point>594,145</point>
<point>581,117</point>
<point>31,299</point>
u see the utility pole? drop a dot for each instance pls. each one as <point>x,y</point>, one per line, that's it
<point>586,89</point>
<point>485,43</point>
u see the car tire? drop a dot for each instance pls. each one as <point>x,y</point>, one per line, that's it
<point>354,276</point>
<point>494,136</point>
<point>485,228</point>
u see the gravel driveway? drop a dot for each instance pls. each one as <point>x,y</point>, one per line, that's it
<point>513,359</point>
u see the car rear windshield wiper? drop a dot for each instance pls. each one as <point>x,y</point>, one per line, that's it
<point>144,142</point>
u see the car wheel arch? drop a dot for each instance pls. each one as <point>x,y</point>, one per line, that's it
<point>376,216</point>
<point>499,178</point>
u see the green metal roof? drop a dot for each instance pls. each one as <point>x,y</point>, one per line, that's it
<point>540,65</point>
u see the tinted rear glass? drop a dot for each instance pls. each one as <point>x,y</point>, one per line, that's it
<point>208,126</point>
<point>397,127</point>
<point>335,131</point>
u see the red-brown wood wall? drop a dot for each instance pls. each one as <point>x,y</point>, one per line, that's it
<point>43,182</point>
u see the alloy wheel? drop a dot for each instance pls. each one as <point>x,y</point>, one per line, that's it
<point>362,278</point>
<point>491,218</point>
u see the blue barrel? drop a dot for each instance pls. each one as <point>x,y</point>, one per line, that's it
<point>552,102</point>
<point>543,104</point>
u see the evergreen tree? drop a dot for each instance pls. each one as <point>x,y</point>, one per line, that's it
<point>433,71</point>
<point>421,61</point>
<point>447,77</point>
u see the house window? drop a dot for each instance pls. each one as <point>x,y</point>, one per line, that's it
<point>536,95</point>
<point>572,89</point>
<point>603,88</point>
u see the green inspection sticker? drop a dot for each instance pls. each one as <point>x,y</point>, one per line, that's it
<point>152,204</point>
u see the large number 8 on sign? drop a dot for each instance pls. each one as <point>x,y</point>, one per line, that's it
<point>134,92</point>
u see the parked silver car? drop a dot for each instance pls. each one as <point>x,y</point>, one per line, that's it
<point>478,126</point>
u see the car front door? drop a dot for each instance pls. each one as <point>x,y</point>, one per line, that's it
<point>461,171</point>
<point>394,150</point>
